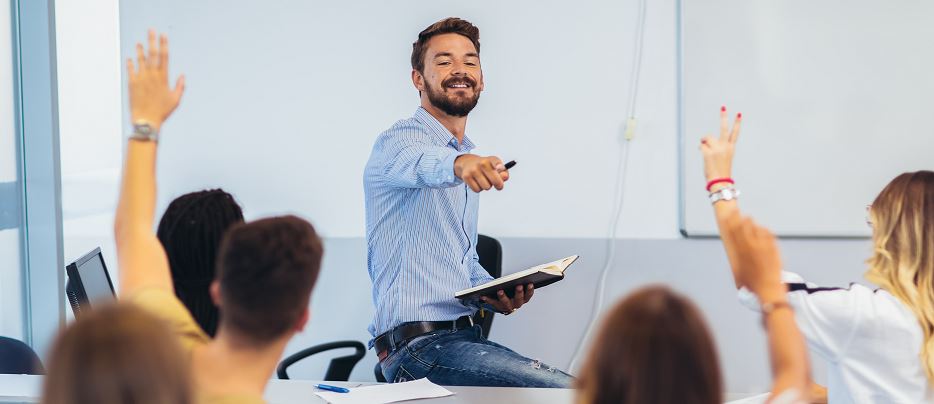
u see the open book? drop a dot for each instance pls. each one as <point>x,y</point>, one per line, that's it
<point>540,276</point>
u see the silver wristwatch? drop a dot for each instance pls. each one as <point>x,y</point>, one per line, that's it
<point>725,194</point>
<point>144,131</point>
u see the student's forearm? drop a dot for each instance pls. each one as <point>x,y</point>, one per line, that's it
<point>140,255</point>
<point>724,211</point>
<point>137,204</point>
<point>787,348</point>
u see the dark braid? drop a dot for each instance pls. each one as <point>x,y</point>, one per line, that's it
<point>191,230</point>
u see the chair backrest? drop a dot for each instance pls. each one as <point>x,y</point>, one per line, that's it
<point>338,370</point>
<point>490,254</point>
<point>17,358</point>
<point>378,372</point>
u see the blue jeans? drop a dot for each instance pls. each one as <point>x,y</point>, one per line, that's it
<point>465,358</point>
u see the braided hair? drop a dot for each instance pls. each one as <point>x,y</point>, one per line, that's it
<point>191,231</point>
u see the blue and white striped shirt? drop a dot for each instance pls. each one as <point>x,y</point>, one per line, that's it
<point>421,225</point>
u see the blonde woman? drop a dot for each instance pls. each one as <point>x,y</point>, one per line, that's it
<point>879,343</point>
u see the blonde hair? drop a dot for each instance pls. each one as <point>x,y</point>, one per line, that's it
<point>117,354</point>
<point>903,250</point>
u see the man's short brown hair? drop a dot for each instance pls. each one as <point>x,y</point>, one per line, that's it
<point>450,25</point>
<point>267,269</point>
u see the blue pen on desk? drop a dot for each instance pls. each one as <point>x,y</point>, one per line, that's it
<point>335,389</point>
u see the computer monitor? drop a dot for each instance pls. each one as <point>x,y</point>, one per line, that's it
<point>88,282</point>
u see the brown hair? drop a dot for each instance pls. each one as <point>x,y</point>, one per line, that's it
<point>903,250</point>
<point>451,25</point>
<point>653,347</point>
<point>117,354</point>
<point>267,269</point>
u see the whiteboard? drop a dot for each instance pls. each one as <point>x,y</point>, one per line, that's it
<point>837,99</point>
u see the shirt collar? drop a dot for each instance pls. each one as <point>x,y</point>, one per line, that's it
<point>440,132</point>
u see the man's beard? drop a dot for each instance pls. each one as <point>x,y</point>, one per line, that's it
<point>451,104</point>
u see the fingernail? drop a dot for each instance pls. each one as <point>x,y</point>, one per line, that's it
<point>739,115</point>
<point>723,109</point>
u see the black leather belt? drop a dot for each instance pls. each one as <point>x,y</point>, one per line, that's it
<point>402,333</point>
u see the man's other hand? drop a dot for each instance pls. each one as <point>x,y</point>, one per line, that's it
<point>507,306</point>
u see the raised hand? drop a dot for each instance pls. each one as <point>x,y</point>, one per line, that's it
<point>759,263</point>
<point>151,99</point>
<point>718,152</point>
<point>481,173</point>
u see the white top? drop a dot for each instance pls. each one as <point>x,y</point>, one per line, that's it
<point>871,341</point>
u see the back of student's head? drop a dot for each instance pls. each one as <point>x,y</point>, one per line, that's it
<point>266,271</point>
<point>117,354</point>
<point>653,347</point>
<point>191,230</point>
<point>902,217</point>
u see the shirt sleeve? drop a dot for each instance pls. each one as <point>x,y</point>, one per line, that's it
<point>409,160</point>
<point>827,317</point>
<point>164,305</point>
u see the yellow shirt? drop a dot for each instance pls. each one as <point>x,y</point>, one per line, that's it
<point>165,305</point>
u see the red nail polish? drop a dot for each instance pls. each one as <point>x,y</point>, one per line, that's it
<point>723,109</point>
<point>739,115</point>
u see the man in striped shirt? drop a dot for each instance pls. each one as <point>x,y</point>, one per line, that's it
<point>422,187</point>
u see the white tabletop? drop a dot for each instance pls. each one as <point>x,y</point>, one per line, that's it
<point>26,389</point>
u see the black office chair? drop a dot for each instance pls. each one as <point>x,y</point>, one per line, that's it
<point>338,370</point>
<point>17,358</point>
<point>490,254</point>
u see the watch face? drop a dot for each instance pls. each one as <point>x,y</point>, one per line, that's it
<point>143,129</point>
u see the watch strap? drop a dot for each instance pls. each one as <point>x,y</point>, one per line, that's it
<point>144,131</point>
<point>724,194</point>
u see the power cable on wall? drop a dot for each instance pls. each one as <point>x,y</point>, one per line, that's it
<point>618,193</point>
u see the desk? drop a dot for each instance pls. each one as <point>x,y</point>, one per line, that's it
<point>26,389</point>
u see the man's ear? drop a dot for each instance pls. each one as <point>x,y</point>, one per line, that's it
<point>418,81</point>
<point>303,320</point>
<point>216,293</point>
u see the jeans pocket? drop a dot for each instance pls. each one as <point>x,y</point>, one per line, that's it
<point>402,375</point>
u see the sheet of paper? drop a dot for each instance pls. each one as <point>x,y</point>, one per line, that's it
<point>757,399</point>
<point>387,393</point>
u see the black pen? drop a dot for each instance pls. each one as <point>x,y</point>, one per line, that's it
<point>510,164</point>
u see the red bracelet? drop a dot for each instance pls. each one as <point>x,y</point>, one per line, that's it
<point>716,181</point>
